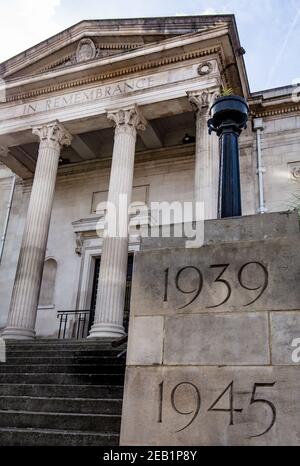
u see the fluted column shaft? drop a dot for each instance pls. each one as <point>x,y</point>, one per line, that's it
<point>113,271</point>
<point>25,295</point>
<point>206,155</point>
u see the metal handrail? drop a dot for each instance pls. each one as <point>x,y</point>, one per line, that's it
<point>119,342</point>
<point>72,311</point>
<point>86,317</point>
<point>82,321</point>
<point>83,325</point>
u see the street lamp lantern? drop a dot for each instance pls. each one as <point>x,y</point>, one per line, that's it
<point>229,116</point>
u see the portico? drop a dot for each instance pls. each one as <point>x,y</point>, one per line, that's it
<point>138,101</point>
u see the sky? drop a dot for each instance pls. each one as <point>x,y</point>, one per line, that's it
<point>269,29</point>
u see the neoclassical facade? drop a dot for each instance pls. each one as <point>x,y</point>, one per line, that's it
<point>120,107</point>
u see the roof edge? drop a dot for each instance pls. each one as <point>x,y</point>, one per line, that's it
<point>135,23</point>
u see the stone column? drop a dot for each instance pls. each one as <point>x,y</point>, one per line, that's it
<point>25,295</point>
<point>207,157</point>
<point>109,311</point>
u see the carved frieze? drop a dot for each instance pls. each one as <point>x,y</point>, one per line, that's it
<point>124,71</point>
<point>294,169</point>
<point>88,50</point>
<point>205,68</point>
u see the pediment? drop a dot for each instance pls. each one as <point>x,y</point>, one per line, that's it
<point>94,40</point>
<point>101,50</point>
<point>80,52</point>
<point>88,49</point>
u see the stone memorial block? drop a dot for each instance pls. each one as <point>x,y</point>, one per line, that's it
<point>211,406</point>
<point>240,338</point>
<point>214,345</point>
<point>237,276</point>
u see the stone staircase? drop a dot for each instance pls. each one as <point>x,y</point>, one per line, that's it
<point>61,392</point>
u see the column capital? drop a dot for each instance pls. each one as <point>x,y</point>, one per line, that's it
<point>53,134</point>
<point>4,151</point>
<point>127,119</point>
<point>202,99</point>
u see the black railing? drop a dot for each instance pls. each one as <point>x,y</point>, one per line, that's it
<point>82,321</point>
<point>127,305</point>
<point>79,326</point>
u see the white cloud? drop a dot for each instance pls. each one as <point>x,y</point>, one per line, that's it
<point>212,11</point>
<point>208,11</point>
<point>29,8</point>
<point>25,23</point>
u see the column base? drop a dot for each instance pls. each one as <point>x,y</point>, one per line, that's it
<point>16,333</point>
<point>106,330</point>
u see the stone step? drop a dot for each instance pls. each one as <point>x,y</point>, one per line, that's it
<point>102,423</point>
<point>56,353</point>
<point>58,347</point>
<point>61,393</point>
<point>62,368</point>
<point>42,437</point>
<point>65,391</point>
<point>60,341</point>
<point>56,405</point>
<point>69,379</point>
<point>65,360</point>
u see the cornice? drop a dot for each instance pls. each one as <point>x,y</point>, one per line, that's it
<point>118,73</point>
<point>276,111</point>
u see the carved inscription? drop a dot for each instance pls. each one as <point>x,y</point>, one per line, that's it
<point>226,396</point>
<point>184,286</point>
<point>90,95</point>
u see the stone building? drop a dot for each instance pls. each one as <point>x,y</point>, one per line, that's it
<point>111,107</point>
<point>162,67</point>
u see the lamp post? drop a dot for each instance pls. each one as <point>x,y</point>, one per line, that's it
<point>229,116</point>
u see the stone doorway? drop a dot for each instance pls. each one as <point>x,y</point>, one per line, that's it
<point>127,295</point>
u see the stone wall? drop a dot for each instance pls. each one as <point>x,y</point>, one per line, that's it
<point>213,354</point>
<point>13,236</point>
<point>280,140</point>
